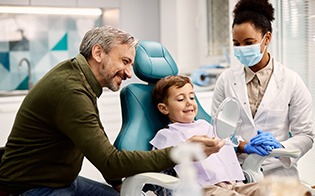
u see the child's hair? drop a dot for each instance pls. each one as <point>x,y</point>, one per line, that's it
<point>160,91</point>
<point>260,13</point>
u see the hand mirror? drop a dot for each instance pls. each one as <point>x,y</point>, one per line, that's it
<point>227,118</point>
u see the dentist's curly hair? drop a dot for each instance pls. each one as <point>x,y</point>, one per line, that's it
<point>260,13</point>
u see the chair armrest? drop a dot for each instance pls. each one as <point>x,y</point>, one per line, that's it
<point>282,152</point>
<point>133,185</point>
<point>252,164</point>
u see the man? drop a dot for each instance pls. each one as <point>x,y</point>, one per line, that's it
<point>58,124</point>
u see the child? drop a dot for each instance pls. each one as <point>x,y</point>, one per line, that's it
<point>220,173</point>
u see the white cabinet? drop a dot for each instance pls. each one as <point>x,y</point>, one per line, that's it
<point>8,108</point>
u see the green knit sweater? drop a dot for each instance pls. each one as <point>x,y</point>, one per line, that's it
<point>57,125</point>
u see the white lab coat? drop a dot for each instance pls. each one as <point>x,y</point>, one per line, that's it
<point>286,106</point>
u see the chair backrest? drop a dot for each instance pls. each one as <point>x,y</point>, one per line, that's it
<point>140,117</point>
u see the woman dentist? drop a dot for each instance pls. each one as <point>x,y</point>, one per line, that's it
<point>276,104</point>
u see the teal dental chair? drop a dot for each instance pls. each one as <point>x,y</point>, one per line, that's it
<point>141,119</point>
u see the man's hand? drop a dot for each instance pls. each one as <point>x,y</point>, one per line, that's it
<point>210,145</point>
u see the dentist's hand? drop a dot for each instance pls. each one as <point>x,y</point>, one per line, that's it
<point>266,140</point>
<point>249,148</point>
<point>210,145</point>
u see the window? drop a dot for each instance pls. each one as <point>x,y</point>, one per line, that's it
<point>218,27</point>
<point>294,38</point>
<point>294,45</point>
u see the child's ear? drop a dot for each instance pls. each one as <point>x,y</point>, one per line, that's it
<point>163,108</point>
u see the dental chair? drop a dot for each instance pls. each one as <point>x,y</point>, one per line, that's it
<point>141,118</point>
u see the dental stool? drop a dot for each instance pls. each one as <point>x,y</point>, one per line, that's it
<point>141,118</point>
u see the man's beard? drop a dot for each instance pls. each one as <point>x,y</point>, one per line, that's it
<point>109,80</point>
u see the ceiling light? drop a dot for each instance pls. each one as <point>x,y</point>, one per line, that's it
<point>50,10</point>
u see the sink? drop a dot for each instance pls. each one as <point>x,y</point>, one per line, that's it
<point>13,93</point>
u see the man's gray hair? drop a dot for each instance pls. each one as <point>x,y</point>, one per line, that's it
<point>106,37</point>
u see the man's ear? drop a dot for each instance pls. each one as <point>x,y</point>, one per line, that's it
<point>97,52</point>
<point>163,108</point>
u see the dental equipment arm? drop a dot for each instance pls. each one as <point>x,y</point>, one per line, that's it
<point>183,154</point>
<point>252,164</point>
<point>133,185</point>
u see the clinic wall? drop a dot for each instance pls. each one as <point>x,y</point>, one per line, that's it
<point>183,31</point>
<point>179,32</point>
<point>141,18</point>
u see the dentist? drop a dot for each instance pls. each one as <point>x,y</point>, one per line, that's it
<point>276,104</point>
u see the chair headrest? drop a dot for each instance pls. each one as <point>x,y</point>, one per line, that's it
<point>153,62</point>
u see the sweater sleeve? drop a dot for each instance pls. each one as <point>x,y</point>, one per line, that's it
<point>77,117</point>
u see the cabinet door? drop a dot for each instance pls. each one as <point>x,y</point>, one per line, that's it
<point>8,109</point>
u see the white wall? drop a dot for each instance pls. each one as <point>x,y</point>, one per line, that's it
<point>141,18</point>
<point>183,27</point>
<point>179,32</point>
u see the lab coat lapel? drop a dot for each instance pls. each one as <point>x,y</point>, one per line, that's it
<point>240,90</point>
<point>273,89</point>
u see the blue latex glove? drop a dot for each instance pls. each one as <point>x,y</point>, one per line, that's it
<point>249,148</point>
<point>266,140</point>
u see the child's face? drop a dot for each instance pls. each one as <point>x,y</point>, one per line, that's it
<point>181,105</point>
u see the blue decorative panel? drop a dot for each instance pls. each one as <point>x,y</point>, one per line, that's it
<point>23,85</point>
<point>62,44</point>
<point>4,60</point>
<point>44,40</point>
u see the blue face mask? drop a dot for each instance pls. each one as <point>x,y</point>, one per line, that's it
<point>249,55</point>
